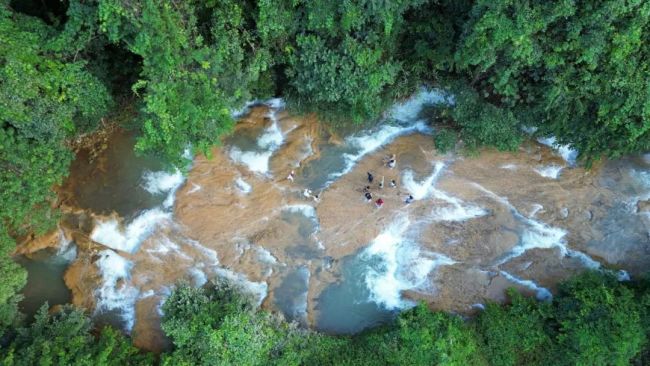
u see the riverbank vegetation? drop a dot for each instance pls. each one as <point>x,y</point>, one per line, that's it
<point>575,70</point>
<point>594,320</point>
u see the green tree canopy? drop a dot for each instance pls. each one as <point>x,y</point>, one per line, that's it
<point>578,70</point>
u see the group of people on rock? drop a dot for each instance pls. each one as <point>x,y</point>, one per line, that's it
<point>307,193</point>
<point>390,162</point>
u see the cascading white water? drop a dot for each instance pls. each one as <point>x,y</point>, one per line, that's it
<point>402,266</point>
<point>565,151</point>
<point>549,171</point>
<point>115,293</point>
<point>269,142</point>
<point>537,234</point>
<point>457,211</point>
<point>542,294</point>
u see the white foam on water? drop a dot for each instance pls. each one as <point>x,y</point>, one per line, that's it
<point>403,266</point>
<point>265,256</point>
<point>275,103</point>
<point>198,277</point>
<point>623,275</point>
<point>271,138</point>
<point>641,178</point>
<point>565,151</point>
<point>167,247</point>
<point>509,166</point>
<point>257,162</point>
<point>306,210</point>
<point>368,141</point>
<point>243,186</point>
<point>549,171</point>
<point>67,250</point>
<point>409,110</point>
<point>238,113</point>
<point>211,254</point>
<point>542,294</point>
<point>115,293</point>
<point>110,234</point>
<point>147,293</point>
<point>257,289</point>
<point>163,182</point>
<point>406,114</point>
<point>478,306</point>
<point>537,234</point>
<point>586,260</point>
<point>424,188</point>
<point>459,210</point>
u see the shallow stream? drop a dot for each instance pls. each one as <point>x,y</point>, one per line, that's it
<point>337,263</point>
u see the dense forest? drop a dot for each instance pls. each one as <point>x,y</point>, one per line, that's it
<point>575,70</point>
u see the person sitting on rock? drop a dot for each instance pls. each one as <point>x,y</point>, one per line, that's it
<point>370,178</point>
<point>379,203</point>
<point>392,162</point>
<point>368,196</point>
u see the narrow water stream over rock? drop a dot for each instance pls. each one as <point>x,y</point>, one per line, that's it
<point>476,225</point>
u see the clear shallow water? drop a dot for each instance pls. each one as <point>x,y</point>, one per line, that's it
<point>345,307</point>
<point>291,296</point>
<point>116,184</point>
<point>371,281</point>
<point>45,270</point>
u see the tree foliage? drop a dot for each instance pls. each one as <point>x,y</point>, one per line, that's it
<point>517,333</point>
<point>576,69</point>
<point>45,96</point>
<point>64,338</point>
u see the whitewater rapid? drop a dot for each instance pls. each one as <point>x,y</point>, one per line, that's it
<point>474,226</point>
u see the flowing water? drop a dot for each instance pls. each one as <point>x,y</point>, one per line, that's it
<point>476,225</point>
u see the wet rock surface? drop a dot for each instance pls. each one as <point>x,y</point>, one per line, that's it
<point>477,225</point>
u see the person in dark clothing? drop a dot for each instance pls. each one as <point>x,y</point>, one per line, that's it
<point>370,178</point>
<point>409,199</point>
<point>368,196</point>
